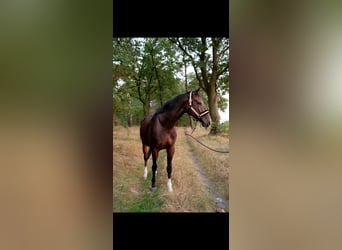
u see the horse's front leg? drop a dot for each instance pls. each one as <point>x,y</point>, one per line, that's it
<point>170,152</point>
<point>155,153</point>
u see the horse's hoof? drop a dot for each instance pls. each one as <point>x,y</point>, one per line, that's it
<point>153,188</point>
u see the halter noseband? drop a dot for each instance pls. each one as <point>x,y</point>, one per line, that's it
<point>193,110</point>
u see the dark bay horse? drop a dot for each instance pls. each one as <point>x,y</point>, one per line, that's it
<point>158,131</point>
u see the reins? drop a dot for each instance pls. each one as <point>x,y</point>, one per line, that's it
<point>210,148</point>
<point>199,115</point>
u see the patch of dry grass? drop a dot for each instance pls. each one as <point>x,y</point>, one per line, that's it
<point>189,193</point>
<point>132,193</point>
<point>127,168</point>
<point>215,165</point>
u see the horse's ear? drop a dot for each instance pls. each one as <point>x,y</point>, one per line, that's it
<point>197,90</point>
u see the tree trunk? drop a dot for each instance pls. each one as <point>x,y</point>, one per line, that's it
<point>213,109</point>
<point>186,90</point>
<point>146,107</point>
<point>129,120</point>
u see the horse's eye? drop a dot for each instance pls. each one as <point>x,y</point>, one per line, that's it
<point>199,103</point>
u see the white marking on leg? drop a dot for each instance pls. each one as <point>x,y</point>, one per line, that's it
<point>145,173</point>
<point>169,185</point>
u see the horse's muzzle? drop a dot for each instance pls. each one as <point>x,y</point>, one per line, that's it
<point>205,123</point>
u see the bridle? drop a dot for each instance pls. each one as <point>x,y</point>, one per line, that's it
<point>199,115</point>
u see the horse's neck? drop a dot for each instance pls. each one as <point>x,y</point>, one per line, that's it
<point>169,118</point>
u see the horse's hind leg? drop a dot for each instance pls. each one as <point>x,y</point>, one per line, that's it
<point>147,152</point>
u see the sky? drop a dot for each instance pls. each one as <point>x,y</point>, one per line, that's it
<point>225,115</point>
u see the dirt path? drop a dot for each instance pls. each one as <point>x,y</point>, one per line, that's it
<point>194,177</point>
<point>211,187</point>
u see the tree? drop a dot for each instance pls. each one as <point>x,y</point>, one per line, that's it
<point>146,69</point>
<point>209,58</point>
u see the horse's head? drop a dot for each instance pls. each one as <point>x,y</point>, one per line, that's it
<point>197,109</point>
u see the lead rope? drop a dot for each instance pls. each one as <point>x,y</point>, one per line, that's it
<point>215,150</point>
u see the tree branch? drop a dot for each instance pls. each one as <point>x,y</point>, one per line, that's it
<point>223,70</point>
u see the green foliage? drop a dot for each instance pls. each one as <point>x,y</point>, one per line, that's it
<point>144,70</point>
<point>184,121</point>
<point>209,58</point>
<point>224,127</point>
<point>149,70</point>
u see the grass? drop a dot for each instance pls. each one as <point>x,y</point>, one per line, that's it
<point>215,165</point>
<point>131,193</point>
<point>147,202</point>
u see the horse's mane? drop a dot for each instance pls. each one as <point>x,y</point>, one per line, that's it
<point>169,105</point>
